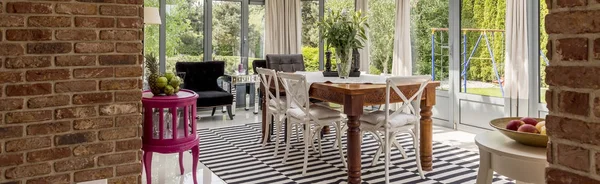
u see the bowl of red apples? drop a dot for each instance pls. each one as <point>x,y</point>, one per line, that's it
<point>525,130</point>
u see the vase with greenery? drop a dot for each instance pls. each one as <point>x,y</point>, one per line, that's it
<point>344,31</point>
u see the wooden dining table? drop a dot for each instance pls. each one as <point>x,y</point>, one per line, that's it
<point>353,98</point>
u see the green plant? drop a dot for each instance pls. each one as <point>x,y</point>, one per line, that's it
<point>341,29</point>
<point>344,31</point>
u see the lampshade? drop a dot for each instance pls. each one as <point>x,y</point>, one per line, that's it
<point>151,15</point>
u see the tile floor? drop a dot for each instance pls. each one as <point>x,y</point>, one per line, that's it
<point>165,169</point>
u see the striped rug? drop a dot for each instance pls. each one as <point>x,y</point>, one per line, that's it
<point>236,156</point>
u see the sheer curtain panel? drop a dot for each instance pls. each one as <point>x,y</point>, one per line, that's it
<point>283,27</point>
<point>402,61</point>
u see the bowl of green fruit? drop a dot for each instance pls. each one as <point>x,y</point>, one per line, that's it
<point>161,83</point>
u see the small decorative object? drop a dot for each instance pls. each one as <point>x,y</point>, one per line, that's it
<point>344,31</point>
<point>167,83</point>
<point>328,61</point>
<point>526,130</point>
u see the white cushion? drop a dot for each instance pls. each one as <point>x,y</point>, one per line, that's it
<point>316,111</point>
<point>282,103</point>
<point>397,120</point>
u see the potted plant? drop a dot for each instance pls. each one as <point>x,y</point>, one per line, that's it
<point>344,31</point>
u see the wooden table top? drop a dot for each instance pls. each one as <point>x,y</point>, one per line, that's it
<point>354,89</point>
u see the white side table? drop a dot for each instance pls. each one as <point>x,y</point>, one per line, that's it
<point>509,158</point>
<point>230,83</point>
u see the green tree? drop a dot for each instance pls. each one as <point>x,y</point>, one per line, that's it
<point>310,20</point>
<point>381,34</point>
<point>426,15</point>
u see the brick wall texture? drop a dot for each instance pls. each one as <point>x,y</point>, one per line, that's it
<point>70,90</point>
<point>573,75</point>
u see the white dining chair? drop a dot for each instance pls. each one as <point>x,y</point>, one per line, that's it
<point>276,104</point>
<point>310,116</point>
<point>385,126</point>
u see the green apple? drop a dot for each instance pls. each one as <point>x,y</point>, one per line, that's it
<point>169,90</point>
<point>169,75</point>
<point>161,82</point>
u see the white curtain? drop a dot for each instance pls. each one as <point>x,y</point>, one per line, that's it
<point>402,61</point>
<point>516,75</point>
<point>283,27</point>
<point>365,60</point>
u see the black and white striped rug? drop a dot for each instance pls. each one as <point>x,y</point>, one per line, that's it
<point>236,156</point>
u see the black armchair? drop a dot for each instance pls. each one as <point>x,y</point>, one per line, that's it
<point>201,77</point>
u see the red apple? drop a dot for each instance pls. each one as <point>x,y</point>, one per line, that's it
<point>528,128</point>
<point>529,120</point>
<point>514,125</point>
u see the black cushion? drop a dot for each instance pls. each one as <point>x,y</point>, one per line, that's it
<point>285,62</point>
<point>201,76</point>
<point>213,98</point>
<point>258,64</point>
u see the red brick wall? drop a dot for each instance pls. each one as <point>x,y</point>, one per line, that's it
<point>70,90</point>
<point>574,96</point>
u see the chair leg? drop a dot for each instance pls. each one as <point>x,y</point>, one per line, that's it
<point>319,139</point>
<point>338,134</point>
<point>377,155</point>
<point>277,132</point>
<point>267,129</point>
<point>229,112</point>
<point>213,111</point>
<point>388,141</point>
<point>306,142</point>
<point>380,149</point>
<point>288,129</point>
<point>417,154</point>
<point>397,144</point>
<point>148,166</point>
<point>195,155</point>
<point>181,163</point>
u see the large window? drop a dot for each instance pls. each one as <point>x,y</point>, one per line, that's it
<point>430,39</point>
<point>381,17</point>
<point>482,47</point>
<point>226,32</point>
<point>310,34</point>
<point>256,33</point>
<point>184,31</point>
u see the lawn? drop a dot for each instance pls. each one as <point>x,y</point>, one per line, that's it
<point>495,92</point>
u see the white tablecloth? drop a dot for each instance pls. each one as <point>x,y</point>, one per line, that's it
<point>312,77</point>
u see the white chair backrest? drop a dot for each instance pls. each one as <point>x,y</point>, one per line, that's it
<point>411,104</point>
<point>267,78</point>
<point>296,90</point>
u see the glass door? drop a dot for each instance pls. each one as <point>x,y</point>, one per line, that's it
<point>538,11</point>
<point>227,34</point>
<point>480,95</point>
<point>431,40</point>
<point>237,28</point>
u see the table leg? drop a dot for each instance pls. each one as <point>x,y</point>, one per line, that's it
<point>353,108</point>
<point>354,153</point>
<point>484,175</point>
<point>225,86</point>
<point>256,98</point>
<point>234,93</point>
<point>264,118</point>
<point>426,137</point>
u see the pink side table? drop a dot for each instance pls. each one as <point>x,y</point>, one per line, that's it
<point>170,127</point>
